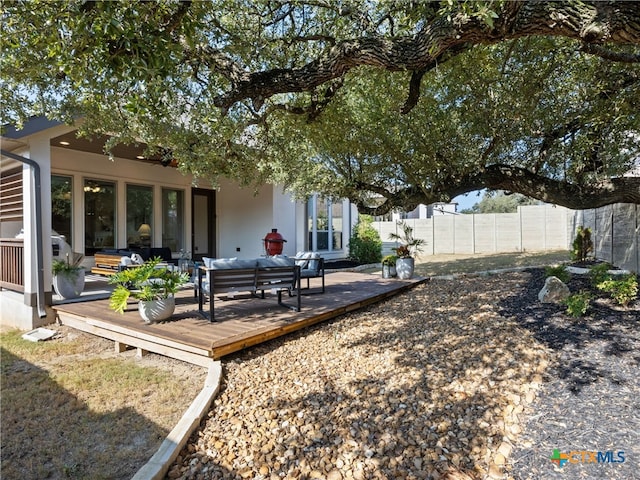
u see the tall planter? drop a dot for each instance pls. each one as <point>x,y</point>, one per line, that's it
<point>405,267</point>
<point>69,284</point>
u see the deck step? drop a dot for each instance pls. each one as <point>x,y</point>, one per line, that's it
<point>123,336</point>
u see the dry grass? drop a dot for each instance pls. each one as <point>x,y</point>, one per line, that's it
<point>430,266</point>
<point>87,412</point>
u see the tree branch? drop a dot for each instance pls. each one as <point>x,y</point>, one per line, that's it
<point>593,22</point>
<point>610,54</point>
<point>514,179</point>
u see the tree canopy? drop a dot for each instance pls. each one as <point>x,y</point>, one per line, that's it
<point>390,104</point>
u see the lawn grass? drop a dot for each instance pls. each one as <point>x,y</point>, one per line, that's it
<point>71,408</point>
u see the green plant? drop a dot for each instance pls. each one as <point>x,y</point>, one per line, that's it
<point>68,268</point>
<point>409,245</point>
<point>582,245</point>
<point>623,291</point>
<point>559,271</point>
<point>365,245</point>
<point>145,282</point>
<point>578,303</point>
<point>599,273</point>
<point>390,260</point>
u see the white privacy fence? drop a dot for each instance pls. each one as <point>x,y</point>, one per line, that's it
<point>532,228</point>
<point>615,231</point>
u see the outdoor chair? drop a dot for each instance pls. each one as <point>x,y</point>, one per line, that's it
<point>311,266</point>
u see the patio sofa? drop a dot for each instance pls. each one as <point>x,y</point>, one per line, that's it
<point>231,275</point>
<point>109,261</point>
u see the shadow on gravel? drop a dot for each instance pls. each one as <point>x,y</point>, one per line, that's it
<point>606,330</point>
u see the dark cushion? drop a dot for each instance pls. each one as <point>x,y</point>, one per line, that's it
<point>146,253</point>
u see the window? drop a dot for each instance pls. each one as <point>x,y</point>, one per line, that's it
<point>99,215</point>
<point>173,219</point>
<point>61,202</point>
<point>139,216</point>
<point>325,224</point>
<point>336,226</point>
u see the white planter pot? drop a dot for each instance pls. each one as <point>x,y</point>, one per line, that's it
<point>157,310</point>
<point>69,286</point>
<point>404,267</point>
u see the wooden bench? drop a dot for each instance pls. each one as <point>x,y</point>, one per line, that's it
<point>106,263</point>
<point>253,280</point>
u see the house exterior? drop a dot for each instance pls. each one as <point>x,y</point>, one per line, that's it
<point>98,203</point>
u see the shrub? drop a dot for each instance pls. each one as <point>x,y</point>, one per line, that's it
<point>623,291</point>
<point>599,273</point>
<point>582,245</point>
<point>559,272</point>
<point>365,245</point>
<point>578,303</point>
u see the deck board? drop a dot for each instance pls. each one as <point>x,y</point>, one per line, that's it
<point>242,322</point>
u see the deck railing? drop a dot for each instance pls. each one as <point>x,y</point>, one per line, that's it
<point>12,264</point>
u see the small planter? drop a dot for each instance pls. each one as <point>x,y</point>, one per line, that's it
<point>157,310</point>
<point>405,267</point>
<point>389,271</point>
<point>69,285</point>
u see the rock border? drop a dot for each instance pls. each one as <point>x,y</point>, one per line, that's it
<point>584,271</point>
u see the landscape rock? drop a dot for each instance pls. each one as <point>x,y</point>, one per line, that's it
<point>554,291</point>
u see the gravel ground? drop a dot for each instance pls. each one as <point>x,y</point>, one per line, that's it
<point>436,383</point>
<point>440,382</point>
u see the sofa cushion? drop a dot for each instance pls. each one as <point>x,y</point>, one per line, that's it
<point>308,260</point>
<point>231,263</point>
<point>276,261</point>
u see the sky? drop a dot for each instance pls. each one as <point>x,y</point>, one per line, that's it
<point>468,200</point>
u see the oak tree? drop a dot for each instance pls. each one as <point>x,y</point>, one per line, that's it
<point>388,103</point>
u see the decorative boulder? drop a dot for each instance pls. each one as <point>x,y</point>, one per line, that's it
<point>554,291</point>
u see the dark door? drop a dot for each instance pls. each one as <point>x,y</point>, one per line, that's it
<point>203,221</point>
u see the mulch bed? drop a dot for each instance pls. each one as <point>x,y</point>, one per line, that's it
<point>590,399</point>
<point>340,264</point>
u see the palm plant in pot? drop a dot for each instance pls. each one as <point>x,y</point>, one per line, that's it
<point>68,276</point>
<point>409,246</point>
<point>152,285</point>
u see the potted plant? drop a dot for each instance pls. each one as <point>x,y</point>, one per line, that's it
<point>152,285</point>
<point>389,266</point>
<point>409,246</point>
<point>68,276</point>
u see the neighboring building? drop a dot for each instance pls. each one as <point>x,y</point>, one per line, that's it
<point>99,203</point>
<point>422,211</point>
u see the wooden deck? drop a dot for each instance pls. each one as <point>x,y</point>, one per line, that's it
<point>243,322</point>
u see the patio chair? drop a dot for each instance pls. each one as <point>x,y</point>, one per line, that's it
<point>311,266</point>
